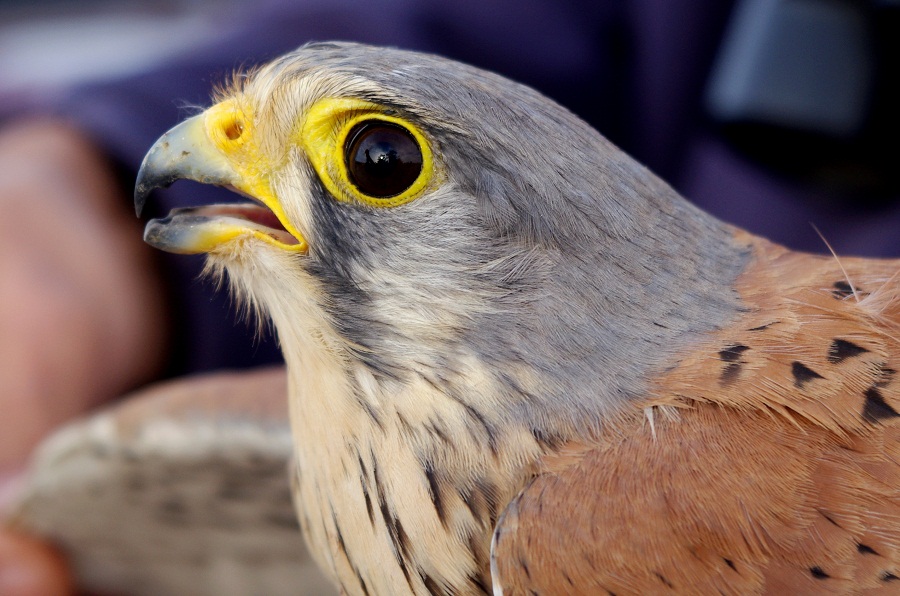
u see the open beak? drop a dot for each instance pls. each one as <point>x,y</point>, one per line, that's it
<point>188,152</point>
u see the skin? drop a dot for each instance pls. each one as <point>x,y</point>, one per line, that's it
<point>74,267</point>
<point>30,568</point>
<point>80,308</point>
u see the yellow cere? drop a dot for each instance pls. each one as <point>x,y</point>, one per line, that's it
<point>229,125</point>
<point>323,135</point>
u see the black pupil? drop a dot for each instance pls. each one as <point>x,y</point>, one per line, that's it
<point>383,159</point>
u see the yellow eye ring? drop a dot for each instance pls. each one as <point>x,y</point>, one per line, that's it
<point>362,153</point>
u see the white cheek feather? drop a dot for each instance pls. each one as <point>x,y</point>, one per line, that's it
<point>320,391</point>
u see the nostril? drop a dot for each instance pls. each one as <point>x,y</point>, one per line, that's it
<point>234,129</point>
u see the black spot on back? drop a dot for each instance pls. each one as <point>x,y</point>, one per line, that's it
<point>842,290</point>
<point>818,573</point>
<point>730,563</point>
<point>865,549</point>
<point>731,356</point>
<point>887,576</point>
<point>803,374</point>
<point>875,408</point>
<point>829,518</point>
<point>733,353</point>
<point>841,349</point>
<point>663,579</point>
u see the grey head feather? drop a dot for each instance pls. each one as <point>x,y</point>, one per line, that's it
<point>564,268</point>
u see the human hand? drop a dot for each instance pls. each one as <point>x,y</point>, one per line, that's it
<point>28,567</point>
<point>81,312</point>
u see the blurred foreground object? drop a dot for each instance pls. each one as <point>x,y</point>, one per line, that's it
<point>181,489</point>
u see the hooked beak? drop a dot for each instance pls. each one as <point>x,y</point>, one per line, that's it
<point>183,153</point>
<point>187,152</point>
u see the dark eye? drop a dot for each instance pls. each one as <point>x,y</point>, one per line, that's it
<point>383,159</point>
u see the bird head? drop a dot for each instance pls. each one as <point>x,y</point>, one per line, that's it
<point>420,217</point>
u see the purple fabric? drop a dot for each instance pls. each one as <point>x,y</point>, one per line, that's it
<point>633,69</point>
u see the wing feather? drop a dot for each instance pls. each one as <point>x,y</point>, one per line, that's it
<point>777,473</point>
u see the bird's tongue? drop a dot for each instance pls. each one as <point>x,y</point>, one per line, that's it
<point>251,212</point>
